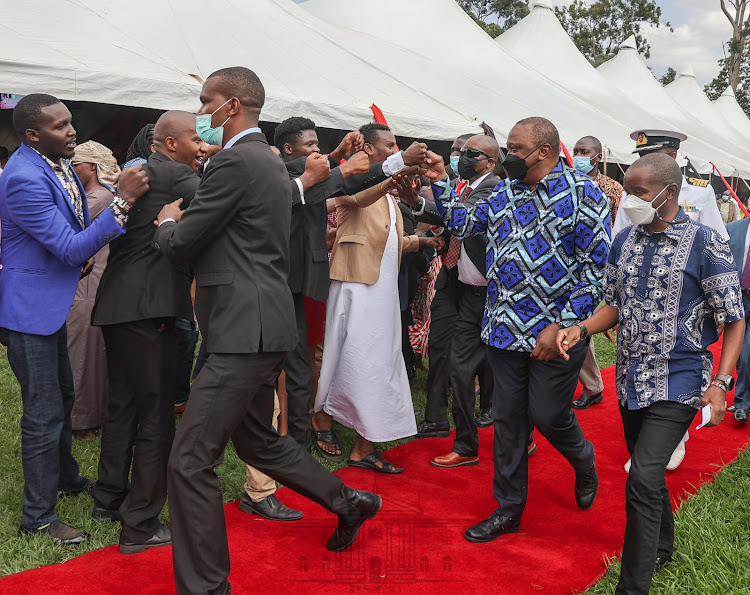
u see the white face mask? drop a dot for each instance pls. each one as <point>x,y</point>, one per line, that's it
<point>641,212</point>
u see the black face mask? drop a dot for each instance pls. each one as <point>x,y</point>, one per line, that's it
<point>516,167</point>
<point>467,167</point>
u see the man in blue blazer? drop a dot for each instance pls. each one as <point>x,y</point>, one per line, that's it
<point>739,243</point>
<point>47,238</point>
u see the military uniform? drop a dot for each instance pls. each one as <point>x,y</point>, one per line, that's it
<point>696,197</point>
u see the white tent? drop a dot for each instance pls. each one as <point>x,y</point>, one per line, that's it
<point>632,77</point>
<point>467,68</point>
<point>686,91</point>
<point>154,54</point>
<point>566,64</point>
<point>726,105</point>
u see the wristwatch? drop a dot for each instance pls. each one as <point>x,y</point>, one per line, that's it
<point>725,379</point>
<point>584,331</point>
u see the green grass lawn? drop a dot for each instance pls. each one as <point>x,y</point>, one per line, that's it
<point>712,529</point>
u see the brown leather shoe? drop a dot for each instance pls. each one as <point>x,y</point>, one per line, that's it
<point>180,409</point>
<point>453,459</point>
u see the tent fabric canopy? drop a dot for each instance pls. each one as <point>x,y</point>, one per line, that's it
<point>98,50</point>
<point>628,72</point>
<point>478,76</point>
<point>726,105</point>
<point>567,63</point>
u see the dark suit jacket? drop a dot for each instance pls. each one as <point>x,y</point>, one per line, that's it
<point>139,283</point>
<point>476,246</point>
<point>308,253</point>
<point>236,235</point>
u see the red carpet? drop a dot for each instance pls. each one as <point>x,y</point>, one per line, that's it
<point>415,544</point>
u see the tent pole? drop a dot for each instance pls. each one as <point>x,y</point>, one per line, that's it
<point>734,194</point>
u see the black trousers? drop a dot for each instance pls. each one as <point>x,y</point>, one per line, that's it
<point>138,424</point>
<point>299,372</point>
<point>651,434</point>
<point>528,393</point>
<point>442,316</point>
<point>232,398</point>
<point>468,359</point>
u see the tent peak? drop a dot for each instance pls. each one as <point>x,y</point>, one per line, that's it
<point>629,43</point>
<point>728,92</point>
<point>687,71</point>
<point>541,4</point>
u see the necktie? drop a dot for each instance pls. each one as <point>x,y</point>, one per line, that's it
<point>454,250</point>
<point>745,278</point>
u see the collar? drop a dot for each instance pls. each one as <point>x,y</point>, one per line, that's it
<point>474,185</point>
<point>62,166</point>
<point>239,135</point>
<point>555,174</point>
<point>674,230</point>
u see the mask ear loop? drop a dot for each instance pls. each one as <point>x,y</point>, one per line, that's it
<point>661,205</point>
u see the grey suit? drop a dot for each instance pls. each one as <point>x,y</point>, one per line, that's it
<point>236,234</point>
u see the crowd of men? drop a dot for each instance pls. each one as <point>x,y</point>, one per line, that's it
<point>307,271</point>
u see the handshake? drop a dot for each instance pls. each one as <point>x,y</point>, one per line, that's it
<point>417,159</point>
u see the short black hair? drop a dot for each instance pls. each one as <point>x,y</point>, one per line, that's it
<point>28,111</point>
<point>664,168</point>
<point>141,145</point>
<point>242,83</point>
<point>289,129</point>
<point>370,130</point>
<point>593,141</point>
<point>543,131</point>
<point>4,153</point>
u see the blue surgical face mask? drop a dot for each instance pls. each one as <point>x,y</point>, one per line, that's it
<point>454,163</point>
<point>211,136</point>
<point>725,197</point>
<point>583,164</point>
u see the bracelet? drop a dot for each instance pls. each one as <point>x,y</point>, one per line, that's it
<point>584,331</point>
<point>719,384</point>
<point>121,204</point>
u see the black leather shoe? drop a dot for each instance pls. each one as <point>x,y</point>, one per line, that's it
<point>162,537</point>
<point>362,506</point>
<point>269,508</point>
<point>484,419</point>
<point>106,514</point>
<point>59,533</point>
<point>492,528</point>
<point>86,486</point>
<point>586,401</point>
<point>586,487</point>
<point>661,562</point>
<point>433,429</point>
<point>740,415</point>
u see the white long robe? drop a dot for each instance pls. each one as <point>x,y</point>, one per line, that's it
<point>363,383</point>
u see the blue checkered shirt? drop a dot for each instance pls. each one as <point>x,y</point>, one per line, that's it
<point>546,252</point>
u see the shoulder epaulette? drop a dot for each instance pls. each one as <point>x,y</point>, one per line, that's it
<point>697,182</point>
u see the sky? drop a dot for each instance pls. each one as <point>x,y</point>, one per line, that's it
<point>699,30</point>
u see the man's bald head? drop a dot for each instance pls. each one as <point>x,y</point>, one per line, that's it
<point>173,123</point>
<point>484,143</point>
<point>661,168</point>
<point>176,138</point>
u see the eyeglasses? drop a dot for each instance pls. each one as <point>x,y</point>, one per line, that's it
<point>473,153</point>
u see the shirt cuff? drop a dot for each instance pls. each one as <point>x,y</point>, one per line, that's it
<point>394,164</point>
<point>120,214</point>
<point>301,190</point>
<point>167,219</point>
<point>419,211</point>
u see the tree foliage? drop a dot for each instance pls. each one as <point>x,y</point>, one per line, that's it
<point>734,68</point>
<point>495,16</point>
<point>668,76</point>
<point>599,28</point>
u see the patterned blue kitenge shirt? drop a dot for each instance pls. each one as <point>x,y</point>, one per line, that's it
<point>671,288</point>
<point>546,252</point>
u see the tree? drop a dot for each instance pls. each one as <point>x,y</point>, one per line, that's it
<point>668,76</point>
<point>734,68</point>
<point>599,28</point>
<point>495,16</point>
